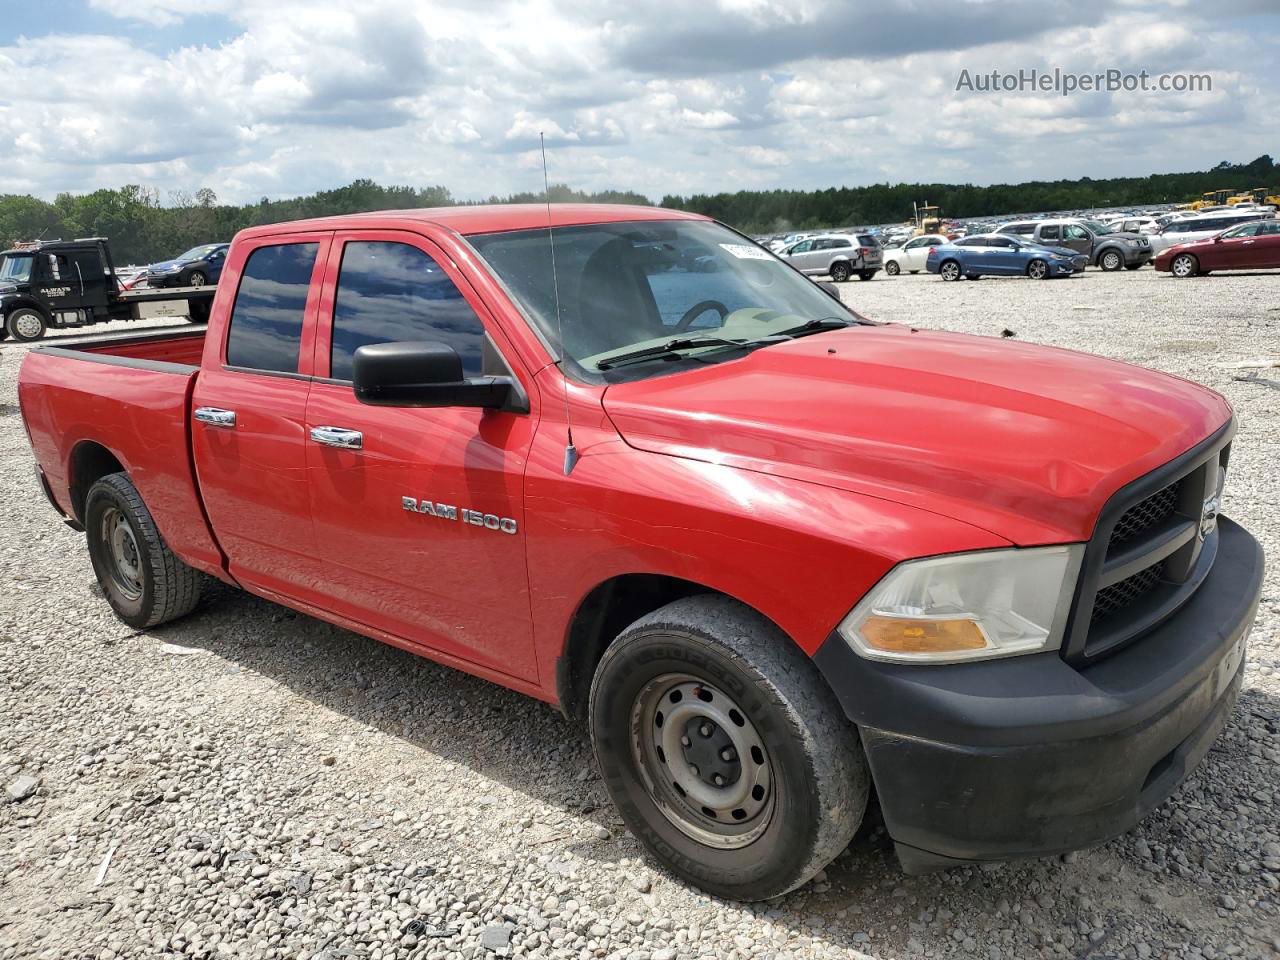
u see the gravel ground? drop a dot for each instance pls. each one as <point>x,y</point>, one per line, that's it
<point>253,783</point>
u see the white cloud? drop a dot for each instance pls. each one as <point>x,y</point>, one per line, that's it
<point>667,97</point>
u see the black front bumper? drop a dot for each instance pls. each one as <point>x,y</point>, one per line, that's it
<point>1030,756</point>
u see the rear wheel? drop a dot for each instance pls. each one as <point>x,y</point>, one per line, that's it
<point>1111,260</point>
<point>949,270</point>
<point>1184,265</point>
<point>1038,270</point>
<point>839,272</point>
<point>892,269</point>
<point>866,274</point>
<point>139,575</point>
<point>724,751</point>
<point>1133,266</point>
<point>26,324</point>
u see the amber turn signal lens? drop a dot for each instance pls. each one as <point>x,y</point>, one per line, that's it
<point>894,635</point>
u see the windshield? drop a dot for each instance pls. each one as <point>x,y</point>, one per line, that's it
<point>1099,229</point>
<point>199,253</point>
<point>15,268</point>
<point>631,286</point>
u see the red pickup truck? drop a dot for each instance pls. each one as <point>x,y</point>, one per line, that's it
<point>628,462</point>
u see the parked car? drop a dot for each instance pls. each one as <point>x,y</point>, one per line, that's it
<point>1200,228</point>
<point>1104,247</point>
<point>837,255</point>
<point>771,564</point>
<point>197,267</point>
<point>911,255</point>
<point>1247,246</point>
<point>1001,256</point>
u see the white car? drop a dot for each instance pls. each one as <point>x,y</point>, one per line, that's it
<point>912,254</point>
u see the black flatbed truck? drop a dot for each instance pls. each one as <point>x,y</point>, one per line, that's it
<point>73,283</point>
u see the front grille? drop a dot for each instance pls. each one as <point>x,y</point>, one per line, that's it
<point>1113,599</point>
<point>1145,515</point>
<point>1146,557</point>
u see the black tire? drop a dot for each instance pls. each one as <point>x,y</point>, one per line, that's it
<point>839,272</point>
<point>1133,266</point>
<point>156,587</point>
<point>892,269</point>
<point>949,270</point>
<point>26,324</point>
<point>866,274</point>
<point>1038,269</point>
<point>914,272</point>
<point>197,279</point>
<point>4,333</point>
<point>1111,260</point>
<point>1184,265</point>
<point>738,663</point>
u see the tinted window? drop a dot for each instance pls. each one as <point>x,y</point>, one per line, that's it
<point>841,242</point>
<point>1269,228</point>
<point>998,242</point>
<point>973,242</point>
<point>1025,229</point>
<point>266,320</point>
<point>867,240</point>
<point>1049,233</point>
<point>392,292</point>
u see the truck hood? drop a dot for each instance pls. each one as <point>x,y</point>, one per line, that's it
<point>1026,442</point>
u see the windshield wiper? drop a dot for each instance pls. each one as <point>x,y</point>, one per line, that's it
<point>670,348</point>
<point>815,326</point>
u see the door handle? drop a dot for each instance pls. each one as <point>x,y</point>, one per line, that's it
<point>215,417</point>
<point>1248,241</point>
<point>339,437</point>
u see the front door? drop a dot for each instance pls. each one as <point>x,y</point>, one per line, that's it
<point>248,409</point>
<point>1077,238</point>
<point>802,256</point>
<point>418,513</point>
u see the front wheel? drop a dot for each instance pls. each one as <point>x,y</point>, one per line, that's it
<point>724,751</point>
<point>1184,265</point>
<point>1038,270</point>
<point>839,272</point>
<point>197,279</point>
<point>892,269</point>
<point>1111,260</point>
<point>139,575</point>
<point>949,271</point>
<point>26,324</point>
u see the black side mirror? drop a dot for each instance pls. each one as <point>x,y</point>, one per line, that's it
<point>428,374</point>
<point>831,289</point>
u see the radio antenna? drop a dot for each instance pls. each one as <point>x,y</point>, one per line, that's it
<point>570,451</point>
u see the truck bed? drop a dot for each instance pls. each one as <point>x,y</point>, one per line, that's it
<point>122,402</point>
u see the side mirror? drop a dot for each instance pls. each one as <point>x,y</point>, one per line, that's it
<point>1217,239</point>
<point>831,289</point>
<point>427,374</point>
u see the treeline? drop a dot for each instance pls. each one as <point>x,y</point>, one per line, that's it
<point>774,210</point>
<point>144,228</point>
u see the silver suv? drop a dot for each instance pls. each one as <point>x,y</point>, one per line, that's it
<point>837,255</point>
<point>1106,248</point>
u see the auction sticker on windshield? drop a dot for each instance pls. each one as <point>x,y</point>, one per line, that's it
<point>746,252</point>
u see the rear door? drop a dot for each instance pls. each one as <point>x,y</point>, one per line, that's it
<point>418,513</point>
<point>249,408</point>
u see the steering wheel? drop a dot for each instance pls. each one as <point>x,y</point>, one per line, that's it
<point>697,310</point>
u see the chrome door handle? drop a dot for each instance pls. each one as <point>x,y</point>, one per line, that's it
<point>338,437</point>
<point>216,417</point>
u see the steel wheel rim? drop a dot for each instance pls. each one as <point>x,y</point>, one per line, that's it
<point>1182,265</point>
<point>685,734</point>
<point>1037,270</point>
<point>950,271</point>
<point>26,324</point>
<point>122,549</point>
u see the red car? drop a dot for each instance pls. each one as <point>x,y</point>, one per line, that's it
<point>1248,246</point>
<point>773,554</point>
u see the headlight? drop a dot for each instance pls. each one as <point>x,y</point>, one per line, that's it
<point>967,606</point>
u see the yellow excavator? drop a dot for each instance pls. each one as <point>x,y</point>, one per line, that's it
<point>1258,195</point>
<point>928,219</point>
<point>1210,198</point>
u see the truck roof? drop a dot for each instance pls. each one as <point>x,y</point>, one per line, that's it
<point>480,218</point>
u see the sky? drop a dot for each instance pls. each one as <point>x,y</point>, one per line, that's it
<point>276,98</point>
